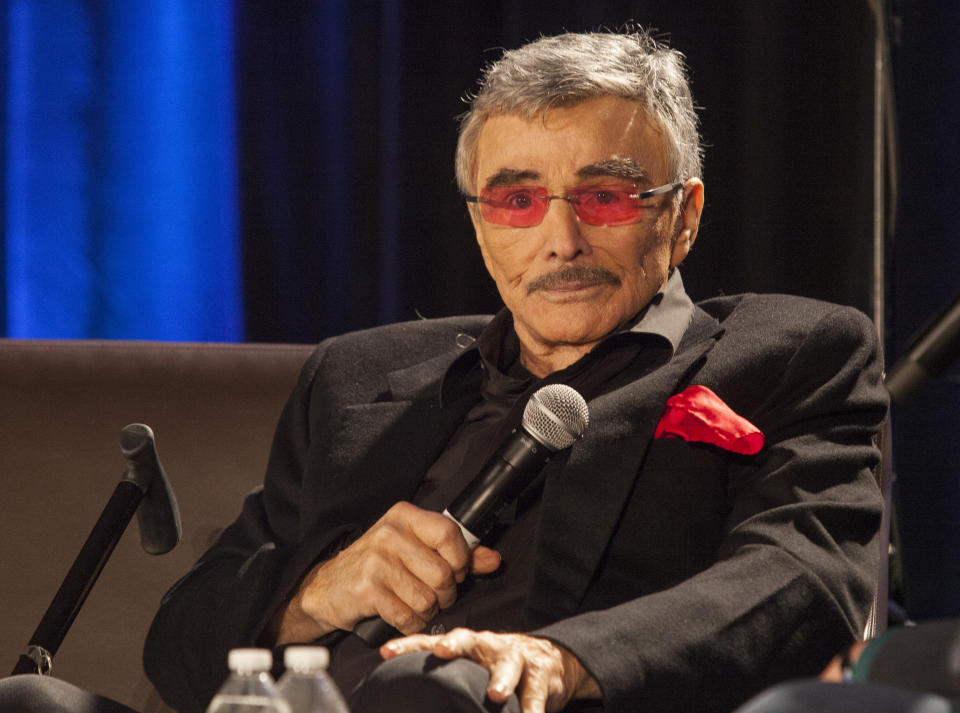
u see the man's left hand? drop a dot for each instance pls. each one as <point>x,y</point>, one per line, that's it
<point>544,675</point>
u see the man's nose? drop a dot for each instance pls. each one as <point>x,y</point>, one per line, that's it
<point>563,238</point>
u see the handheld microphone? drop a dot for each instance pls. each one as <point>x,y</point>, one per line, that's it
<point>554,418</point>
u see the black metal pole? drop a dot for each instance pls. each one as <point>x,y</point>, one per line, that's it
<point>83,574</point>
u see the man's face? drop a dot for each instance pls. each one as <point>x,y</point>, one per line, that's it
<point>567,282</point>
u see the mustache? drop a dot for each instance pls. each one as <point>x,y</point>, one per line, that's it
<point>590,274</point>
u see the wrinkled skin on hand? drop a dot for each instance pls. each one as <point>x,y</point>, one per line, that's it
<point>405,569</point>
<point>544,675</point>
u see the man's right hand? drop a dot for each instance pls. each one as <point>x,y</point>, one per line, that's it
<point>405,569</point>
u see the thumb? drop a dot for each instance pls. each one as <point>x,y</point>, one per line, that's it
<point>483,560</point>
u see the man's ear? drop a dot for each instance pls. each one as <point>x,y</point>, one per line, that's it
<point>689,218</point>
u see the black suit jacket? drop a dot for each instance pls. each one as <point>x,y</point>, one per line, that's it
<point>684,577</point>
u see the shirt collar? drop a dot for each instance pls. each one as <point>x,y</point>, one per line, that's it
<point>666,316</point>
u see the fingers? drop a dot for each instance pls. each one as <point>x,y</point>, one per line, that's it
<point>534,669</point>
<point>834,670</point>
<point>505,677</point>
<point>484,560</point>
<point>407,605</point>
<point>405,568</point>
<point>425,581</point>
<point>438,533</point>
<point>374,579</point>
<point>408,644</point>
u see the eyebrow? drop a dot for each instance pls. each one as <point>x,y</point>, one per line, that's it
<point>625,168</point>
<point>617,167</point>
<point>509,176</point>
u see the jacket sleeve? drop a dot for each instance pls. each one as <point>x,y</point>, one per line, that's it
<point>226,599</point>
<point>796,566</point>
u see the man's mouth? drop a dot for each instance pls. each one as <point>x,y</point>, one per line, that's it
<point>571,279</point>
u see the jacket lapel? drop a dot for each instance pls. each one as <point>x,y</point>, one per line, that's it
<point>583,502</point>
<point>378,452</point>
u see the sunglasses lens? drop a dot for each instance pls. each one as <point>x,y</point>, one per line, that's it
<point>525,206</point>
<point>516,206</point>
<point>606,205</point>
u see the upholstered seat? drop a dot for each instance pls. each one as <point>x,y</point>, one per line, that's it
<point>213,408</point>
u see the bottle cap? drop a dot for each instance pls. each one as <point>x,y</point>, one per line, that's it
<point>249,659</point>
<point>306,657</point>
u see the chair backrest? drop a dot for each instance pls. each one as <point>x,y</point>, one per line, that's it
<point>213,408</point>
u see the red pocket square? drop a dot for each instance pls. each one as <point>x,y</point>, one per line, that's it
<point>698,414</point>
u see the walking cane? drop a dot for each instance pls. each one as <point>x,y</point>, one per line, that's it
<point>145,490</point>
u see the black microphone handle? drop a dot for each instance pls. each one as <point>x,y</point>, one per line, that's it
<point>476,509</point>
<point>375,632</point>
<point>500,482</point>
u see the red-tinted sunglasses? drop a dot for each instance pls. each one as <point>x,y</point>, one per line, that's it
<point>525,206</point>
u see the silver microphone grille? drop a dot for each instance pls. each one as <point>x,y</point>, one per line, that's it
<point>556,415</point>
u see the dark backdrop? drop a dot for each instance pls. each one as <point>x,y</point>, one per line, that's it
<point>351,217</point>
<point>924,278</point>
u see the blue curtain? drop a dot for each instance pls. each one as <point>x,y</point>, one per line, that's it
<point>119,197</point>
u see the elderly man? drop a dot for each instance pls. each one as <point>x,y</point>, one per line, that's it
<point>667,561</point>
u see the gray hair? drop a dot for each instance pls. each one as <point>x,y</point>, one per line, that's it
<point>572,68</point>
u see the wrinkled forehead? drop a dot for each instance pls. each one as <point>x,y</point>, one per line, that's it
<point>603,137</point>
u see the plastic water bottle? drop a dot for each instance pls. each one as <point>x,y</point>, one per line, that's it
<point>306,686</point>
<point>249,688</point>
